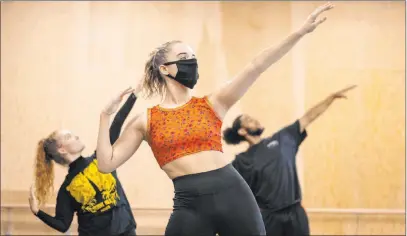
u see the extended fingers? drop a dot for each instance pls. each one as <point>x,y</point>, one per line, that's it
<point>321,9</point>
<point>320,21</point>
<point>127,91</point>
<point>347,89</point>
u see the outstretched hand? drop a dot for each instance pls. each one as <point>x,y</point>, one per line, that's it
<point>113,105</point>
<point>341,93</point>
<point>312,22</point>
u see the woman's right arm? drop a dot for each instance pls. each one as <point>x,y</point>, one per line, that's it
<point>111,157</point>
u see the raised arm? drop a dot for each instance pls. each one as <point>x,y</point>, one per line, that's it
<point>111,157</point>
<point>321,107</point>
<point>120,117</point>
<point>232,91</point>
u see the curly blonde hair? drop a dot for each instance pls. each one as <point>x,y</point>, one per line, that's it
<point>47,152</point>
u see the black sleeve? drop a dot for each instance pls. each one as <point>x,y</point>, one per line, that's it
<point>64,212</point>
<point>294,131</point>
<point>120,117</point>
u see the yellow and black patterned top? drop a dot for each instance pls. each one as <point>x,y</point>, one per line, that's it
<point>97,198</point>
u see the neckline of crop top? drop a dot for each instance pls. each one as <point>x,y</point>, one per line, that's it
<point>176,108</point>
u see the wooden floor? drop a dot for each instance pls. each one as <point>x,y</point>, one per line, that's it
<point>153,222</point>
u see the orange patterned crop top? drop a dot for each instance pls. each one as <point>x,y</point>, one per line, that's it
<point>177,132</point>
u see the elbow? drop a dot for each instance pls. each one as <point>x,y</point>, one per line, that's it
<point>63,228</point>
<point>103,162</point>
<point>103,168</point>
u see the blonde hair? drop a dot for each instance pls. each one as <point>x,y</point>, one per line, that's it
<point>47,152</point>
<point>154,83</point>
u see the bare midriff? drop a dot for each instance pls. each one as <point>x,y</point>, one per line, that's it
<point>195,163</point>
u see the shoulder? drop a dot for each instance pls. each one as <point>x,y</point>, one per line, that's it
<point>137,121</point>
<point>270,138</point>
<point>140,122</point>
<point>63,188</point>
<point>212,101</point>
<point>293,126</point>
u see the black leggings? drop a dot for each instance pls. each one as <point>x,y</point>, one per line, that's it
<point>290,221</point>
<point>214,202</point>
<point>129,233</point>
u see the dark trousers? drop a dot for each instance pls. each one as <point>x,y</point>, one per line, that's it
<point>214,202</point>
<point>290,221</point>
<point>129,233</point>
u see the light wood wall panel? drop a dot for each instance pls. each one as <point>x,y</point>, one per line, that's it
<point>355,154</point>
<point>63,60</point>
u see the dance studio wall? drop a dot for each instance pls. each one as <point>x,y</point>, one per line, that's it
<point>62,61</point>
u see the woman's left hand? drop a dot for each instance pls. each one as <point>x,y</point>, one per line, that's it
<point>312,23</point>
<point>33,201</point>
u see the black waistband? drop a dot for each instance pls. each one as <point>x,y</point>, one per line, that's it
<point>207,182</point>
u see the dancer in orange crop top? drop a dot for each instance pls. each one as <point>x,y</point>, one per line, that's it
<point>191,128</point>
<point>184,133</point>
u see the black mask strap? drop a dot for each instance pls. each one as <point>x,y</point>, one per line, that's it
<point>187,61</point>
<point>170,63</point>
<point>172,77</point>
<point>256,132</point>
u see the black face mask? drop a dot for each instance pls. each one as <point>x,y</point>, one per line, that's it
<point>256,132</point>
<point>187,74</point>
